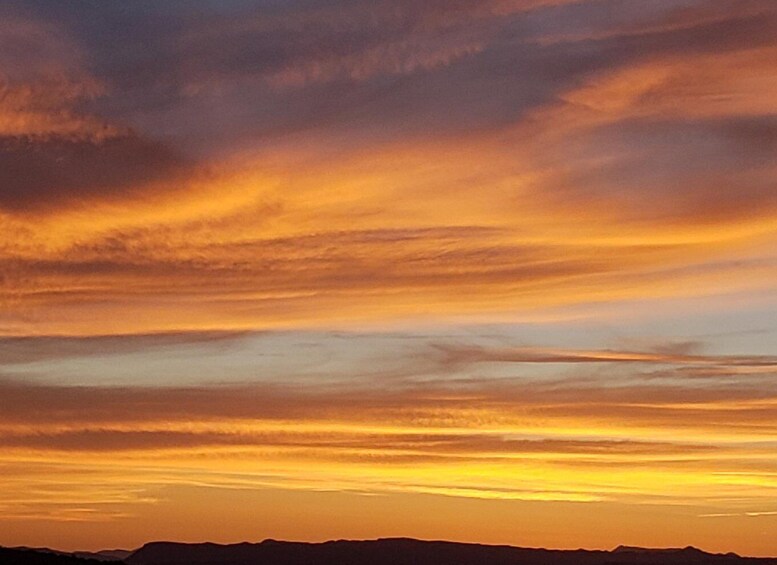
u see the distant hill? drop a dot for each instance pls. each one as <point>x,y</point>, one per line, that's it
<point>10,556</point>
<point>400,551</point>
<point>103,555</point>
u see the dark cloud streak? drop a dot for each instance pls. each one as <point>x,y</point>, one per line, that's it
<point>42,174</point>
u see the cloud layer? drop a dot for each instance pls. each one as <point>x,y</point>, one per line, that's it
<point>512,253</point>
<point>327,163</point>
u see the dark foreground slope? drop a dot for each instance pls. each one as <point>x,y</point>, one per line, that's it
<point>414,552</point>
<point>37,557</point>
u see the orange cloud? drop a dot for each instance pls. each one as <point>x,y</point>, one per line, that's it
<point>484,440</point>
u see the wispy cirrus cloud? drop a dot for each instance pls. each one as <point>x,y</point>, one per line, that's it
<point>552,178</point>
<point>476,439</point>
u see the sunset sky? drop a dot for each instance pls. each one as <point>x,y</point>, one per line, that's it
<point>500,271</point>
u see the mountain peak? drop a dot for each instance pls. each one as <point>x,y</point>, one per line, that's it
<point>637,549</point>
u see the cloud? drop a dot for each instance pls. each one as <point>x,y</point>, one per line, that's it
<point>486,440</point>
<point>501,402</point>
<point>752,514</point>
<point>53,150</point>
<point>43,78</point>
<point>31,349</point>
<point>43,174</point>
<point>716,364</point>
<point>393,448</point>
<point>545,169</point>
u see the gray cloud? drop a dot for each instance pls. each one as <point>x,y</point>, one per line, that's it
<point>211,77</point>
<point>39,348</point>
<point>394,446</point>
<point>206,75</point>
<point>744,407</point>
<point>38,174</point>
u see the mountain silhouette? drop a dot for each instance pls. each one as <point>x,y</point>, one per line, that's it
<point>102,555</point>
<point>27,556</point>
<point>392,551</point>
<point>105,554</point>
<point>401,551</point>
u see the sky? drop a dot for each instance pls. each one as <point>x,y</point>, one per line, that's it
<point>500,271</point>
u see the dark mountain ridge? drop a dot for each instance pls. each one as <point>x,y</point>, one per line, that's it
<point>102,555</point>
<point>27,556</point>
<point>402,551</point>
<point>391,551</point>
